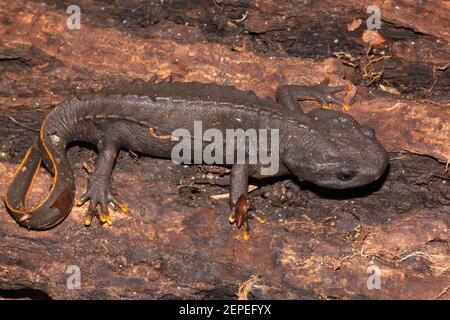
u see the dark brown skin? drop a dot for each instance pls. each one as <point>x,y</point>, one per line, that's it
<point>326,147</point>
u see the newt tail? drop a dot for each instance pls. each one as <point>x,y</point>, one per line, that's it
<point>58,203</point>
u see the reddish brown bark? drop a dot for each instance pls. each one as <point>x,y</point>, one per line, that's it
<point>175,241</point>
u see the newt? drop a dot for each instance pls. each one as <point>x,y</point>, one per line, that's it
<point>326,147</point>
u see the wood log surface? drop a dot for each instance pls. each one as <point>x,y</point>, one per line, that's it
<point>175,241</point>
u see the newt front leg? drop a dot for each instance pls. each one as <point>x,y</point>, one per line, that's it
<point>99,191</point>
<point>288,95</point>
<point>239,201</point>
<point>239,197</point>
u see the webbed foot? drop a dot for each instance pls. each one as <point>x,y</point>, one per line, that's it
<point>103,196</point>
<point>326,94</point>
<point>240,216</point>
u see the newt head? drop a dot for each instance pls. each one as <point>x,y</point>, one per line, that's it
<point>334,151</point>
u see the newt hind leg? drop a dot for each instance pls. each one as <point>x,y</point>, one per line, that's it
<point>99,192</point>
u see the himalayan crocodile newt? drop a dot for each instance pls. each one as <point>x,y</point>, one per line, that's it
<point>323,146</point>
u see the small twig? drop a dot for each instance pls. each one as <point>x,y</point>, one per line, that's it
<point>21,125</point>
<point>227,195</point>
<point>434,103</point>
<point>435,77</point>
<point>246,287</point>
<point>244,16</point>
<point>88,166</point>
<point>442,293</point>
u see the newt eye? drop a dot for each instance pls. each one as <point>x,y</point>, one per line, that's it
<point>346,174</point>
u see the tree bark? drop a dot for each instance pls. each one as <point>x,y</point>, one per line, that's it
<point>317,244</point>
